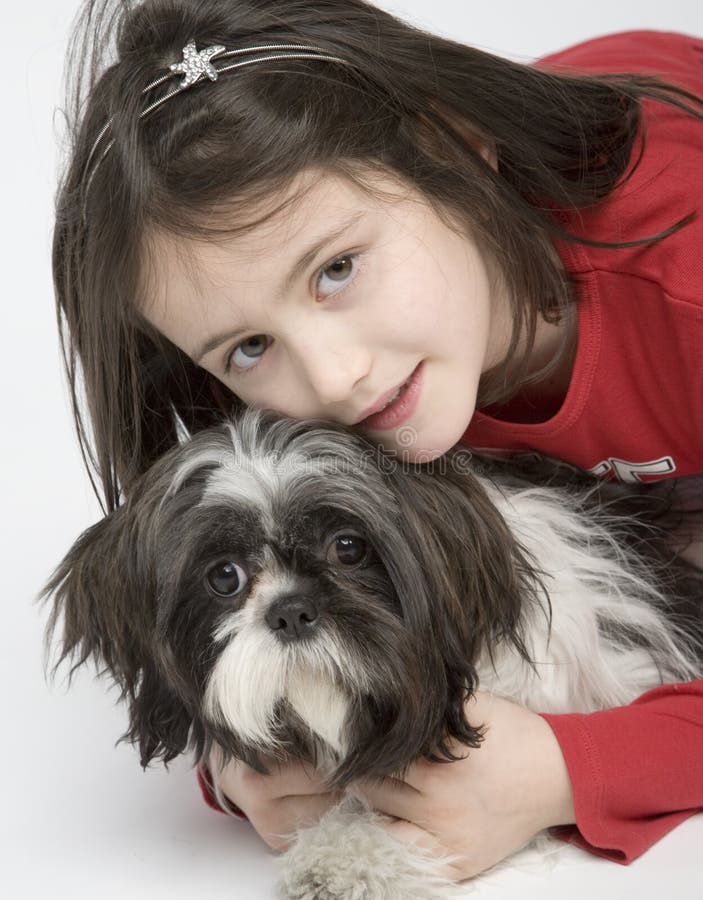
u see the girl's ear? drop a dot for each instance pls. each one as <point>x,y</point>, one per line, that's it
<point>103,599</point>
<point>435,142</point>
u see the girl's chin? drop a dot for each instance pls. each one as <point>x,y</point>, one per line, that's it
<point>407,445</point>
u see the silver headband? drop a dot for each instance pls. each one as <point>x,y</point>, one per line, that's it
<point>196,65</point>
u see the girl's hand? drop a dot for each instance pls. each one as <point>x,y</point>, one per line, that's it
<point>489,804</point>
<point>293,794</point>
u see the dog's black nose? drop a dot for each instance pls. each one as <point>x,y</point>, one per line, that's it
<point>292,617</point>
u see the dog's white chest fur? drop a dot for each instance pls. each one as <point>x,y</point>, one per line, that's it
<point>320,704</point>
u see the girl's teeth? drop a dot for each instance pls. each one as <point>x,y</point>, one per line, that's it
<point>397,394</point>
<point>393,398</point>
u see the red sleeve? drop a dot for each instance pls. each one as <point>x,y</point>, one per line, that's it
<point>205,782</point>
<point>636,771</point>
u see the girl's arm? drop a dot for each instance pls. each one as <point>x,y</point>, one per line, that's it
<point>624,776</point>
<point>636,771</point>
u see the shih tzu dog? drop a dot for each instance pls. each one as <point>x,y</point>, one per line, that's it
<point>280,588</point>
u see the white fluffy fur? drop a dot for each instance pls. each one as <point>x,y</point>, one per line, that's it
<point>243,473</point>
<point>320,703</point>
<point>347,856</point>
<point>246,683</point>
<point>589,579</point>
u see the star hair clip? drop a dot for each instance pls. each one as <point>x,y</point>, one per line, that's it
<point>196,66</point>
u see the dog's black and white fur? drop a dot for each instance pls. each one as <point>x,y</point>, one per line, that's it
<point>277,587</point>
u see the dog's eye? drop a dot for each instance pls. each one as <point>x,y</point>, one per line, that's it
<point>227,579</point>
<point>347,550</point>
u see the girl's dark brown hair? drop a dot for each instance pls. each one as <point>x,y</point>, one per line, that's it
<point>407,103</point>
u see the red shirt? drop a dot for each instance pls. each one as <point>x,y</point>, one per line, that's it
<point>634,406</point>
<point>636,771</point>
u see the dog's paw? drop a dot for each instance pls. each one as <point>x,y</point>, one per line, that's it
<point>347,856</point>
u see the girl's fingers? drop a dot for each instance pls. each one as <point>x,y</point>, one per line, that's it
<point>409,833</point>
<point>285,780</point>
<point>292,778</point>
<point>390,796</point>
<point>280,803</point>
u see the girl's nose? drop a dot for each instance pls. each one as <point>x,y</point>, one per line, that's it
<point>334,369</point>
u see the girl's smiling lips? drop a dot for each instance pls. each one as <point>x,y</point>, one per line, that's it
<point>381,417</point>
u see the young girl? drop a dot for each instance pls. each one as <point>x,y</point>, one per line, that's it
<point>362,222</point>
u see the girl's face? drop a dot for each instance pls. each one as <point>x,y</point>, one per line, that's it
<point>334,303</point>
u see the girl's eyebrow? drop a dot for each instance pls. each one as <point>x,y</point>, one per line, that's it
<point>295,272</point>
<point>309,255</point>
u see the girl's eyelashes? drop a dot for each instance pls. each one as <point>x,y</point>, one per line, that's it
<point>338,273</point>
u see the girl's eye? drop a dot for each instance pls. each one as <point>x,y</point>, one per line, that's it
<point>247,353</point>
<point>338,273</point>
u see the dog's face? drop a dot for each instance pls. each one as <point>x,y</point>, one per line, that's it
<point>279,587</point>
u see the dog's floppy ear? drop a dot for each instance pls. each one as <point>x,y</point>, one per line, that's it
<point>91,592</point>
<point>477,577</point>
<point>476,567</point>
<point>103,608</point>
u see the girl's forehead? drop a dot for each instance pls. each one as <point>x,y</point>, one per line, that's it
<point>270,234</point>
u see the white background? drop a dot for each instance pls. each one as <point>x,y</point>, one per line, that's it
<point>79,818</point>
